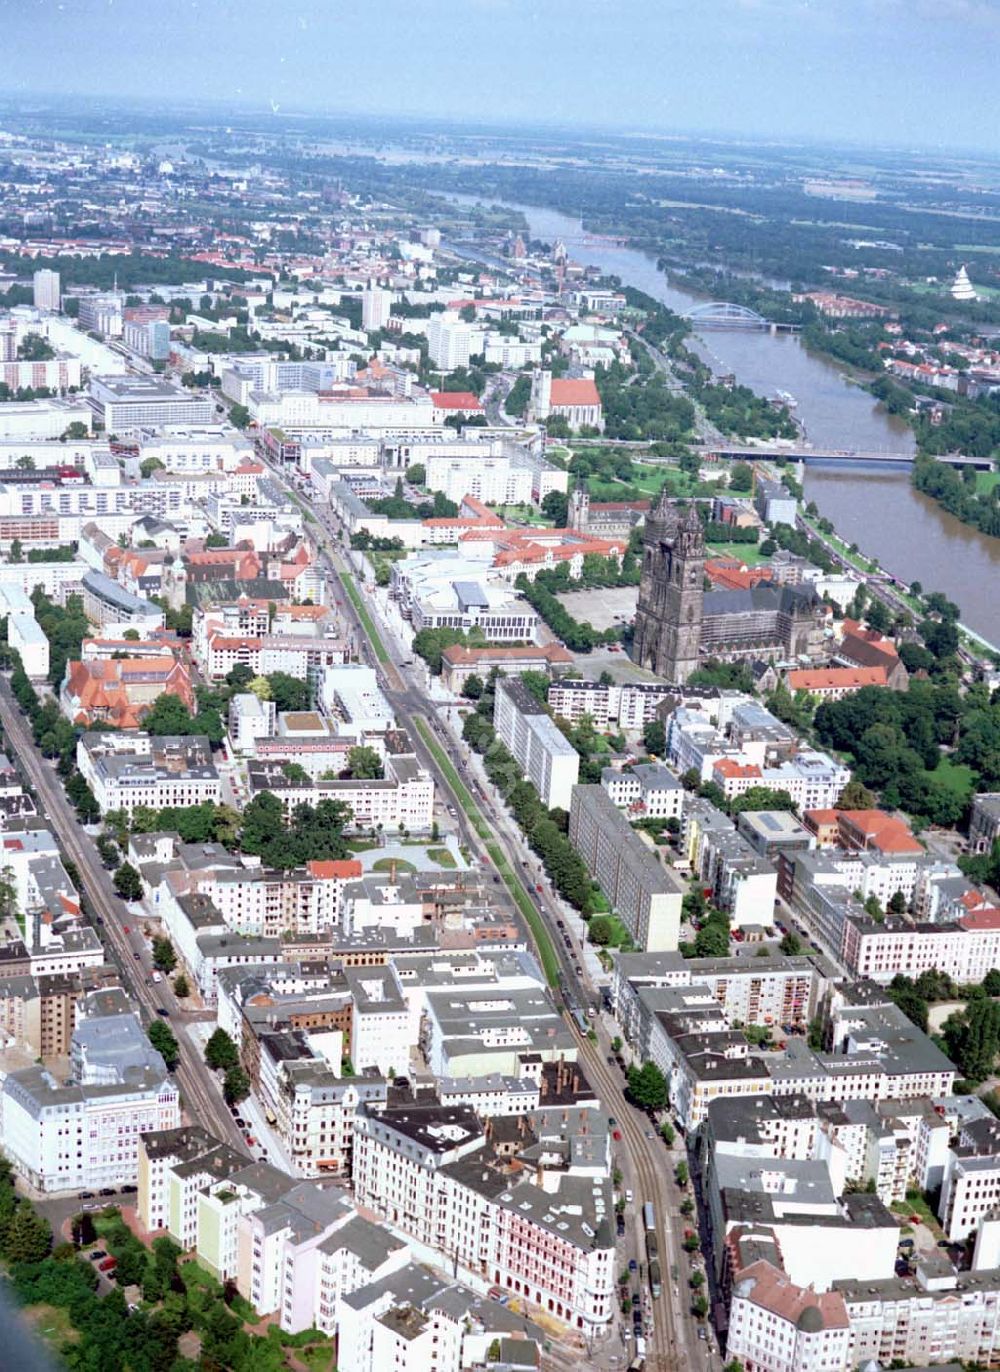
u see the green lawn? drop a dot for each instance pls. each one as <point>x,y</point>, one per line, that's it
<point>749,553</point>
<point>387,864</point>
<point>543,941</point>
<point>985,481</point>
<point>442,856</point>
<point>364,616</point>
<point>954,775</point>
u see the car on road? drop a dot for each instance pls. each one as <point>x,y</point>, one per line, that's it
<point>250,1139</point>
<point>86,1195</point>
<point>159,1009</point>
<point>702,1333</point>
<point>633,1266</point>
<point>129,1190</point>
<point>126,929</point>
<point>616,1134</point>
<point>629,1198</point>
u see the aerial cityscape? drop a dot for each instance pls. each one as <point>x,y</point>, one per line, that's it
<point>499,695</point>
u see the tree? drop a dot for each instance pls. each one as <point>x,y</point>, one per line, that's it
<point>897,904</point>
<point>681,1178</point>
<point>364,764</point>
<point>16,550</point>
<point>288,692</point>
<point>741,477</point>
<point>164,957</point>
<point>26,1237</point>
<point>647,1086</point>
<point>790,945</point>
<point>855,796</point>
<point>74,431</point>
<point>416,473</point>
<point>600,930</point>
<point>221,1052</point>
<point>235,1086</point>
<point>182,987</point>
<point>972,1038</point>
<point>239,416</point>
<point>991,982</point>
<point>654,738</point>
<point>762,798</point>
<point>128,882</point>
<point>168,715</point>
<point>555,506</point>
<point>472,687</point>
<point>162,1039</point>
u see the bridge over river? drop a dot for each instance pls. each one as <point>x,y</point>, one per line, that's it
<point>810,454</point>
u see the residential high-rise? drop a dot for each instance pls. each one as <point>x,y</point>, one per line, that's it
<point>375,306</point>
<point>46,287</point>
<point>668,616</point>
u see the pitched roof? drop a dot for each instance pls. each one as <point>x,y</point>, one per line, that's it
<point>837,678</point>
<point>456,400</point>
<point>581,392</point>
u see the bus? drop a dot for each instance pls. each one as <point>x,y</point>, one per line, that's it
<point>655,1285</point>
<point>649,1218</point>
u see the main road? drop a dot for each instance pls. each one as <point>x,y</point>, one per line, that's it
<point>200,1095</point>
<point>641,1155</point>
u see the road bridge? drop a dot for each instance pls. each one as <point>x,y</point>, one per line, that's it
<point>724,314</point>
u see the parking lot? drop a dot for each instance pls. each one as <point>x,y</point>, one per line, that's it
<point>603,608</point>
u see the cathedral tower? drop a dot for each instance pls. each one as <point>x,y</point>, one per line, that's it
<point>671,593</point>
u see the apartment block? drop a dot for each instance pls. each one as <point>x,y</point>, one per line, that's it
<point>643,892</point>
<point>547,757</point>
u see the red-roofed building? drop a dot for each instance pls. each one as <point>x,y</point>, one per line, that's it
<point>873,831</point>
<point>120,691</point>
<point>831,683</point>
<point>867,648</point>
<point>730,574</point>
<point>576,400</point>
<point>735,777</point>
<point>448,403</point>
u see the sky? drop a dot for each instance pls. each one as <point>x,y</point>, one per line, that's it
<point>917,73</point>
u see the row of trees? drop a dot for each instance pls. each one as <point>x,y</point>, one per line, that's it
<point>579,637</point>
<point>544,829</point>
<point>56,738</point>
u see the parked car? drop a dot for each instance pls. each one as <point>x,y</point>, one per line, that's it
<point>86,1195</point>
<point>108,1265</point>
<point>107,1191</point>
<point>129,1190</point>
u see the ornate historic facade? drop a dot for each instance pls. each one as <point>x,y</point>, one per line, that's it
<point>678,625</point>
<point>669,612</point>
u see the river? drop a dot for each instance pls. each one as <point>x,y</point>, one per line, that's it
<point>876,507</point>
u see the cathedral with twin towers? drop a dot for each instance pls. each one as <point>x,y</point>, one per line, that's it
<point>679,625</point>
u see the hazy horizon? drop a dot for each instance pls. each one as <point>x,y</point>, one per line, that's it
<point>786,70</point>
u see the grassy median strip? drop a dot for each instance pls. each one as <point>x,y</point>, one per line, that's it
<point>543,941</point>
<point>364,616</point>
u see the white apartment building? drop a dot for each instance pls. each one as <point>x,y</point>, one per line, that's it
<point>547,1246</point>
<point>84,1132</point>
<point>511,353</point>
<point>776,1326</point>
<point>132,769</point>
<point>451,341</point>
<point>647,791</point>
<point>403,799</point>
<point>495,480</point>
<point>549,760</point>
<point>376,305</point>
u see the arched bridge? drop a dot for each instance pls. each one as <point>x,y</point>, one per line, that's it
<point>723,314</point>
